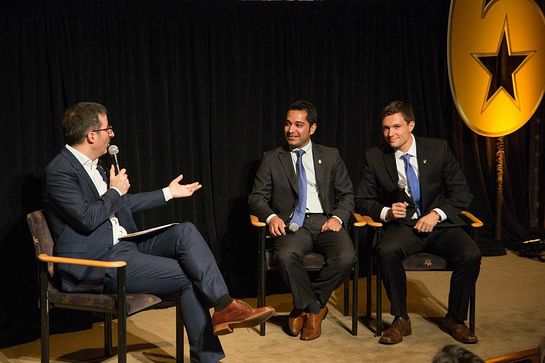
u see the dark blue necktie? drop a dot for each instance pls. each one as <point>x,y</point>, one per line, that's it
<point>301,208</point>
<point>412,180</point>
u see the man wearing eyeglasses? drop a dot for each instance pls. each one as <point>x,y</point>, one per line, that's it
<point>88,212</point>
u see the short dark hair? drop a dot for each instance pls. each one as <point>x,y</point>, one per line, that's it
<point>309,108</point>
<point>79,118</point>
<point>453,353</point>
<point>404,108</point>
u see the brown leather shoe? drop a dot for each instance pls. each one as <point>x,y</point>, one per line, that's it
<point>312,327</point>
<point>400,328</point>
<point>296,321</point>
<point>458,331</point>
<point>239,315</point>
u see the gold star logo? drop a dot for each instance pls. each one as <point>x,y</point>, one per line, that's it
<point>496,55</point>
<point>502,67</point>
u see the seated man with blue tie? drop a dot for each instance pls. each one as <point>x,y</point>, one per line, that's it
<point>416,186</point>
<point>303,192</point>
<point>89,212</point>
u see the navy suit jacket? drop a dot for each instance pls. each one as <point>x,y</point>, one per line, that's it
<point>442,183</point>
<point>275,187</point>
<point>79,218</point>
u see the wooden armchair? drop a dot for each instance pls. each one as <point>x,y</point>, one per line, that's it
<point>421,261</point>
<point>118,305</point>
<point>312,261</point>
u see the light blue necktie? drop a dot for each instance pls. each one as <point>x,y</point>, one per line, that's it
<point>301,208</point>
<point>412,180</point>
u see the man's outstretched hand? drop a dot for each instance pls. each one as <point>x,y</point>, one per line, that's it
<point>182,190</point>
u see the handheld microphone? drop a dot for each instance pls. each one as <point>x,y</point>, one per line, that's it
<point>113,150</point>
<point>293,227</point>
<point>401,194</point>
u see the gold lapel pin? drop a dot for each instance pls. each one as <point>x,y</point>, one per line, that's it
<point>319,161</point>
<point>424,161</point>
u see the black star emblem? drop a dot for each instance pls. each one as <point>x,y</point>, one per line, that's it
<point>502,66</point>
<point>486,3</point>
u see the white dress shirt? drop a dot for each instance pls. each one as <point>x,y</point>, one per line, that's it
<point>313,201</point>
<point>400,166</point>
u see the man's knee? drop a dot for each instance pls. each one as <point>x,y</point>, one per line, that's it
<point>389,252</point>
<point>471,256</point>
<point>185,228</point>
<point>344,260</point>
<point>187,232</point>
<point>288,257</point>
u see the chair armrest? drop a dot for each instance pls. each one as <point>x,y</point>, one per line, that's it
<point>78,261</point>
<point>370,222</point>
<point>360,221</point>
<point>474,221</point>
<point>256,222</point>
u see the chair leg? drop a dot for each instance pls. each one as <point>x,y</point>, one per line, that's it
<point>355,298</point>
<point>44,313</point>
<point>45,337</point>
<point>108,347</point>
<point>346,293</point>
<point>121,315</point>
<point>261,299</point>
<point>379,287</point>
<point>368,277</point>
<point>262,276</point>
<point>179,331</point>
<point>379,299</point>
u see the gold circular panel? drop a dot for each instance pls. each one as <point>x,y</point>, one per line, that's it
<point>509,36</point>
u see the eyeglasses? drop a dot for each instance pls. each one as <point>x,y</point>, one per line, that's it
<point>108,129</point>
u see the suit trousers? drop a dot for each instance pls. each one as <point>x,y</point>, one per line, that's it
<point>337,248</point>
<point>452,243</point>
<point>177,261</point>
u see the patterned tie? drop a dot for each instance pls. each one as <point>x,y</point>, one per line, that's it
<point>412,180</point>
<point>299,213</point>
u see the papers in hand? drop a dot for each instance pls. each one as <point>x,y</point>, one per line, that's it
<point>146,231</point>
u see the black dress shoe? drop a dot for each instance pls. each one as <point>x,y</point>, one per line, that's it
<point>400,328</point>
<point>458,331</point>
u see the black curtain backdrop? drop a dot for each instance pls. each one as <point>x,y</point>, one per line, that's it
<point>200,88</point>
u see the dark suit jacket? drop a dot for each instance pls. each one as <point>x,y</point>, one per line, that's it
<point>275,187</point>
<point>442,183</point>
<point>79,218</point>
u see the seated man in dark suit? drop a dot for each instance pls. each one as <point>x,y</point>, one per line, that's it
<point>306,186</point>
<point>89,212</point>
<point>416,186</point>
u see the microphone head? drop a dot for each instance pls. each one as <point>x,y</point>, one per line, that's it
<point>293,227</point>
<point>113,150</point>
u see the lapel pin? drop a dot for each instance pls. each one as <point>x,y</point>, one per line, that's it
<point>319,161</point>
<point>424,161</point>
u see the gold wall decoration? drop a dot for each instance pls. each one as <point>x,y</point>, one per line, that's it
<point>496,61</point>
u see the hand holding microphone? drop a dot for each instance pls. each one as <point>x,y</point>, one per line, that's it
<point>277,227</point>
<point>118,177</point>
<point>399,208</point>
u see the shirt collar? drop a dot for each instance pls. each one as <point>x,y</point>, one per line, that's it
<point>306,148</point>
<point>84,160</point>
<point>412,150</point>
